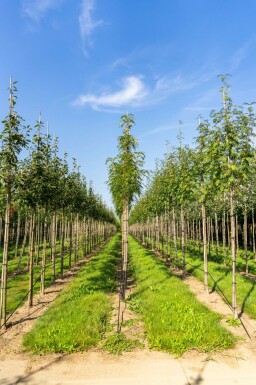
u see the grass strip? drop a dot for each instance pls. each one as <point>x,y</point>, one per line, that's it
<point>18,285</point>
<point>175,320</point>
<point>77,319</point>
<point>192,248</point>
<point>220,279</point>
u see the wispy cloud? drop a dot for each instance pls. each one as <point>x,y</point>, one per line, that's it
<point>87,24</point>
<point>134,92</point>
<point>240,54</point>
<point>205,102</point>
<point>158,130</point>
<point>36,9</point>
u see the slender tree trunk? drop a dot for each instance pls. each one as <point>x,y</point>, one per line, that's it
<point>3,296</point>
<point>1,229</point>
<point>175,237</point>
<point>199,237</point>
<point>229,232</point>
<point>233,253</point>
<point>70,241</point>
<point>224,238</point>
<point>23,242</point>
<point>183,241</point>
<point>205,248</point>
<point>253,234</point>
<point>125,246</point>
<point>42,287</point>
<point>31,261</point>
<point>53,241</point>
<point>62,243</point>
<point>217,234</point>
<point>209,236</point>
<point>245,240</point>
<point>237,235</point>
<point>17,236</point>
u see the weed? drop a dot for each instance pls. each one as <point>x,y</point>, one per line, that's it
<point>118,343</point>
<point>129,323</point>
<point>231,321</point>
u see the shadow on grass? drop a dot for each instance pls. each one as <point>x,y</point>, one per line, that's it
<point>215,285</point>
<point>246,299</point>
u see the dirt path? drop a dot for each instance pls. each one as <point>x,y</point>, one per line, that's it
<point>236,366</point>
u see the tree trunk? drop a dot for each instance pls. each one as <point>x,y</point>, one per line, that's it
<point>224,238</point>
<point>217,234</point>
<point>23,242</point>
<point>42,287</point>
<point>70,241</point>
<point>31,260</point>
<point>245,240</point>
<point>125,246</point>
<point>5,261</point>
<point>183,241</point>
<point>237,235</point>
<point>17,236</point>
<point>205,248</point>
<point>253,234</point>
<point>53,241</point>
<point>175,237</point>
<point>233,253</point>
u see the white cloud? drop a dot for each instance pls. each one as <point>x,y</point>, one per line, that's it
<point>36,9</point>
<point>87,24</point>
<point>135,93</point>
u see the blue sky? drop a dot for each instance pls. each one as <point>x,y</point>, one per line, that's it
<point>84,63</point>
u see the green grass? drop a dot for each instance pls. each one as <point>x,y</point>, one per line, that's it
<point>220,279</point>
<point>174,320</point>
<point>118,343</point>
<point>18,284</point>
<point>240,258</point>
<point>78,318</point>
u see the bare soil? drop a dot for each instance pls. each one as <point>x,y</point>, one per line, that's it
<point>234,366</point>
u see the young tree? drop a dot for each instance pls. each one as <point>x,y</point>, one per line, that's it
<point>125,182</point>
<point>232,155</point>
<point>13,140</point>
